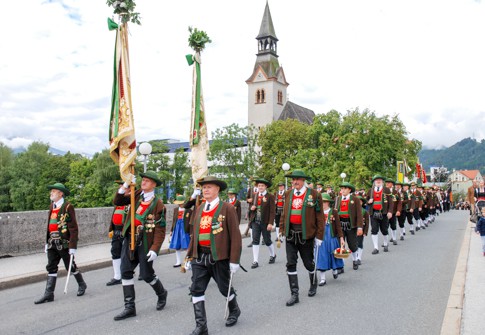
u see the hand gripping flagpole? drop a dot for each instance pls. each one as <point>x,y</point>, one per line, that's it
<point>68,272</point>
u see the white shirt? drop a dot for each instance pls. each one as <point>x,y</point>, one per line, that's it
<point>212,204</point>
<point>301,190</point>
<point>262,194</point>
<point>345,197</point>
<point>377,188</point>
<point>148,195</point>
<point>59,203</point>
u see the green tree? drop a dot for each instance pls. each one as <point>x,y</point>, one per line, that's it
<point>232,154</point>
<point>281,142</point>
<point>28,187</point>
<point>359,143</point>
<point>6,160</point>
<point>181,172</point>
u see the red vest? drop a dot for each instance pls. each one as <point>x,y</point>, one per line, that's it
<point>344,209</point>
<point>181,214</point>
<point>279,201</point>
<point>118,215</point>
<point>378,200</point>
<point>53,220</point>
<point>140,210</point>
<point>205,227</point>
<point>296,208</point>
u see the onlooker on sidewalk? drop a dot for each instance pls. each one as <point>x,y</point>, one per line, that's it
<point>480,229</point>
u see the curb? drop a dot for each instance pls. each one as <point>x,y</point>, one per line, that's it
<point>453,314</point>
<point>39,276</point>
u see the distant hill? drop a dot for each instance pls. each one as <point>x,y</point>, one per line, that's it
<point>53,151</point>
<point>468,154</point>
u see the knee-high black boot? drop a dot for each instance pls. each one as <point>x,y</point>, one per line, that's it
<point>82,284</point>
<point>313,285</point>
<point>49,291</point>
<point>200,319</point>
<point>234,313</point>
<point>130,310</point>
<point>161,293</point>
<point>293,279</point>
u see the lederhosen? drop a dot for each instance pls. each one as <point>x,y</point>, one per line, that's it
<point>117,220</point>
<point>58,245</point>
<point>205,266</point>
<point>128,265</point>
<point>296,242</point>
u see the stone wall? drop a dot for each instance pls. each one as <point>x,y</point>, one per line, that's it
<point>24,232</point>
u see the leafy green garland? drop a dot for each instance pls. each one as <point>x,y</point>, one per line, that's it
<point>125,9</point>
<point>198,39</point>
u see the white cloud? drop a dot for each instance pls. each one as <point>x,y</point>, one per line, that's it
<point>423,60</point>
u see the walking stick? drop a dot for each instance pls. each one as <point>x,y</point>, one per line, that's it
<point>316,261</point>
<point>68,273</point>
<point>226,314</point>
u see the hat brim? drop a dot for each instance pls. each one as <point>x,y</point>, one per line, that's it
<point>267,183</point>
<point>222,184</point>
<point>156,180</point>
<point>298,176</point>
<point>352,188</point>
<point>62,189</point>
<point>179,202</point>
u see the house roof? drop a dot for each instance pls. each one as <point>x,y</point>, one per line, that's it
<point>294,111</point>
<point>470,174</point>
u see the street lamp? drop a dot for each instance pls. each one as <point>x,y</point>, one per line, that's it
<point>343,175</point>
<point>145,149</point>
<point>286,168</point>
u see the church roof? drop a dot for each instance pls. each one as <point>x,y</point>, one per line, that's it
<point>296,112</point>
<point>267,28</point>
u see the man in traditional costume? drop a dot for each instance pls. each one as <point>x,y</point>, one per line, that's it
<point>280,203</point>
<point>214,251</point>
<point>380,211</point>
<point>303,227</point>
<point>233,200</point>
<point>115,229</point>
<point>396,204</point>
<point>61,241</point>
<point>150,225</point>
<point>261,218</point>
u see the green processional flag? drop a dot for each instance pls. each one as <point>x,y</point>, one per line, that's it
<point>122,128</point>
<point>199,142</point>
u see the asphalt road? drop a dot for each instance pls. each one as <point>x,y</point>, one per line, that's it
<point>404,291</point>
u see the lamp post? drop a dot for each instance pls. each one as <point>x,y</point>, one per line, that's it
<point>286,168</point>
<point>343,175</point>
<point>145,149</point>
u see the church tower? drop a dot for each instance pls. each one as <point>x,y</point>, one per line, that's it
<point>267,84</point>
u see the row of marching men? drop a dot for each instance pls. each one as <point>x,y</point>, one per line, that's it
<point>313,225</point>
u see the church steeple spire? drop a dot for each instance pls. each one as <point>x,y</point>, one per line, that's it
<point>267,39</point>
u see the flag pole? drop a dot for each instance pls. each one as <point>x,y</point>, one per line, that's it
<point>132,210</point>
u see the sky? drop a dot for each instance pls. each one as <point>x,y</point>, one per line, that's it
<point>423,60</point>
